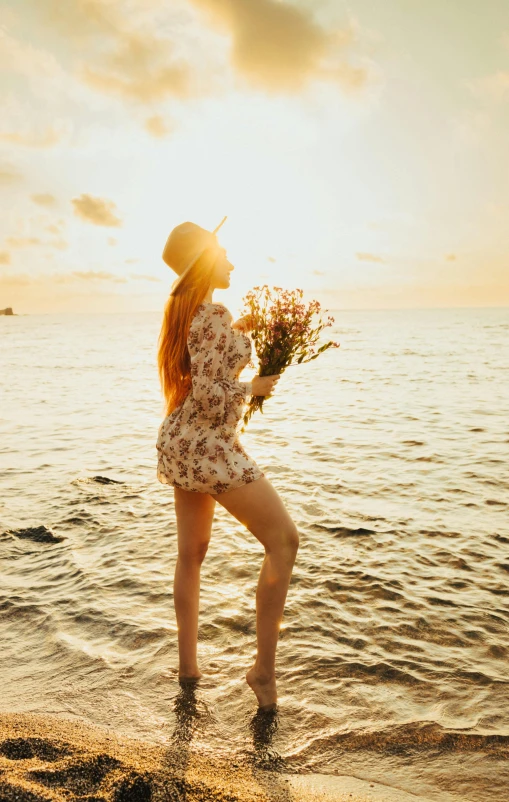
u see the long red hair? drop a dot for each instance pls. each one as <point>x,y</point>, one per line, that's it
<point>173,359</point>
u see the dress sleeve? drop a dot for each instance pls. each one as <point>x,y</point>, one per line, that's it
<point>216,397</point>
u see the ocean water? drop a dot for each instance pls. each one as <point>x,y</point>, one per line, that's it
<point>391,454</point>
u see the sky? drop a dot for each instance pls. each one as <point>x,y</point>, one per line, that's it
<point>360,150</point>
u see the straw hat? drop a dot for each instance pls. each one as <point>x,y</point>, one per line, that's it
<point>185,245</point>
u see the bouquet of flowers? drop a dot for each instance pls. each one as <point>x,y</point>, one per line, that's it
<point>285,332</point>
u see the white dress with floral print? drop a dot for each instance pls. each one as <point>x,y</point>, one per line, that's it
<point>198,444</point>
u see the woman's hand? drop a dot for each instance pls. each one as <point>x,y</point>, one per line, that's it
<point>264,385</point>
<point>244,323</point>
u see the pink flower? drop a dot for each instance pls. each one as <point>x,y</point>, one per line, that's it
<point>285,331</point>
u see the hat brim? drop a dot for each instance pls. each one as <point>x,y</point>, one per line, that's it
<point>184,273</point>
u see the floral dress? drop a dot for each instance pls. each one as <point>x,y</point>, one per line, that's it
<point>198,443</point>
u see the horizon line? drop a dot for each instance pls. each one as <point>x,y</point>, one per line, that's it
<point>328,309</point>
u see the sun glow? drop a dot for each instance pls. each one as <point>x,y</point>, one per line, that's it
<point>333,170</point>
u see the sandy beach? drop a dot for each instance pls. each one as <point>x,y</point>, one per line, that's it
<point>52,758</point>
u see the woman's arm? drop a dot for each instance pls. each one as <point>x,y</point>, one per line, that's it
<point>243,324</point>
<point>215,396</point>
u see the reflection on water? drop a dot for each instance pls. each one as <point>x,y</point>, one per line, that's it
<point>191,719</point>
<point>187,714</point>
<point>391,454</point>
<point>192,715</point>
<point>263,727</point>
<point>187,720</point>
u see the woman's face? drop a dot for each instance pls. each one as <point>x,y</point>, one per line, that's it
<point>221,273</point>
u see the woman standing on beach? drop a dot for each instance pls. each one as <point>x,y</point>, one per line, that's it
<point>201,354</point>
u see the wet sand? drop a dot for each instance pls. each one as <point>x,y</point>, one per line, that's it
<point>51,758</point>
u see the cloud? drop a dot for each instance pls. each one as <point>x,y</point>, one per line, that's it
<point>27,242</point>
<point>56,228</point>
<point>146,52</point>
<point>20,289</point>
<point>142,277</point>
<point>280,47</point>
<point>33,85</point>
<point>76,277</point>
<point>369,257</point>
<point>44,199</point>
<point>81,19</point>
<point>120,54</point>
<point>131,261</point>
<point>130,75</point>
<point>100,275</point>
<point>15,280</point>
<point>98,211</point>
<point>5,258</point>
<point>32,139</point>
<point>494,87</point>
<point>58,243</point>
<point>158,127</point>
<point>22,57</point>
<point>112,241</point>
<point>9,175</point>
<point>23,242</point>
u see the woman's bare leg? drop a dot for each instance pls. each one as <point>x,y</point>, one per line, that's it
<point>258,506</point>
<point>195,512</point>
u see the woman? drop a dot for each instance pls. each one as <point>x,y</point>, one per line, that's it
<point>201,354</point>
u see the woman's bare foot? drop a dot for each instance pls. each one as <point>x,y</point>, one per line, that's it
<point>264,688</point>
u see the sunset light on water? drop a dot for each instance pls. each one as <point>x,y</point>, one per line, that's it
<point>359,152</point>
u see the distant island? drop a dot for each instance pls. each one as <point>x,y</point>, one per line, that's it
<point>6,311</point>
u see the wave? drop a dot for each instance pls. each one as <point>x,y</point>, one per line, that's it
<point>412,736</point>
<point>344,531</point>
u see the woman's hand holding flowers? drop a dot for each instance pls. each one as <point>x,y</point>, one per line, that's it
<point>264,385</point>
<point>285,332</point>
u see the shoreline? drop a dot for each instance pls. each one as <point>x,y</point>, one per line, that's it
<point>49,758</point>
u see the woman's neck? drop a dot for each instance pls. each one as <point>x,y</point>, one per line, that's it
<point>208,297</point>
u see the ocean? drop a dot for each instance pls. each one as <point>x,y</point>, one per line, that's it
<point>391,454</point>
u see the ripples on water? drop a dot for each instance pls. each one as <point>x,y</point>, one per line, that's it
<point>391,454</point>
